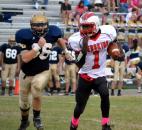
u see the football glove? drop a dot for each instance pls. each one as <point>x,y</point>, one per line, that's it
<point>80,60</point>
<point>68,55</point>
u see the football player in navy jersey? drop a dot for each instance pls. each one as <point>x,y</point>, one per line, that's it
<point>55,63</point>
<point>119,71</point>
<point>70,73</point>
<point>10,61</point>
<point>36,43</point>
<point>92,41</point>
<point>134,59</point>
<point>139,76</point>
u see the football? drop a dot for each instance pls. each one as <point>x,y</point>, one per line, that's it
<point>113,50</point>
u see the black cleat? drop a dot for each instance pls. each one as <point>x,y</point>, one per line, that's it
<point>10,93</point>
<point>112,92</point>
<point>24,125</point>
<point>3,92</point>
<point>72,127</point>
<point>119,93</point>
<point>106,127</point>
<point>37,123</point>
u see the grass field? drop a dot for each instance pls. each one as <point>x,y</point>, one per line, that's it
<point>125,113</point>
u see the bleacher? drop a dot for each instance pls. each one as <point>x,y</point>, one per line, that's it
<point>20,12</point>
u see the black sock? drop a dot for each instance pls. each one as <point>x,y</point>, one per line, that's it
<point>25,118</point>
<point>58,90</point>
<point>112,91</point>
<point>51,90</point>
<point>36,113</point>
<point>119,91</point>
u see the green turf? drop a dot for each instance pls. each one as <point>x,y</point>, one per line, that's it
<point>125,113</point>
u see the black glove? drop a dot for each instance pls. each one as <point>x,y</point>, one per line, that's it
<point>80,60</point>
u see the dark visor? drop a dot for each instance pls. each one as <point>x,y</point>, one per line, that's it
<point>39,24</point>
<point>85,26</point>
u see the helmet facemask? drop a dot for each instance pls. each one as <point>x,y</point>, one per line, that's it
<point>39,25</point>
<point>89,24</point>
<point>87,29</point>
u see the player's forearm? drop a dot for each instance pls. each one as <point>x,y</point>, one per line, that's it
<point>62,43</point>
<point>1,61</point>
<point>18,62</point>
<point>28,55</point>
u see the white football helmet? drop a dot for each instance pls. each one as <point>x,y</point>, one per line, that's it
<point>89,24</point>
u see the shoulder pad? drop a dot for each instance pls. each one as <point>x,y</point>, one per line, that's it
<point>125,47</point>
<point>55,31</point>
<point>23,34</point>
<point>140,65</point>
<point>109,30</point>
<point>74,41</point>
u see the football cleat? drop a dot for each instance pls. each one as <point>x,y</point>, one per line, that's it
<point>72,127</point>
<point>119,93</point>
<point>112,92</point>
<point>10,93</point>
<point>3,91</point>
<point>24,125</point>
<point>106,127</point>
<point>37,123</point>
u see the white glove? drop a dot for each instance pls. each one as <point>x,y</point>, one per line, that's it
<point>68,55</point>
<point>36,48</point>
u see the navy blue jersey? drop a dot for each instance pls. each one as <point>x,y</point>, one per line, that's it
<point>72,53</point>
<point>125,48</point>
<point>10,53</point>
<point>108,57</point>
<point>54,56</point>
<point>26,38</point>
<point>139,65</point>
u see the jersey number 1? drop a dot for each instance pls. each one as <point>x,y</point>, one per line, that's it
<point>96,60</point>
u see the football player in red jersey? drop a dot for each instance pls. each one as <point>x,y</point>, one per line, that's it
<point>36,43</point>
<point>92,41</point>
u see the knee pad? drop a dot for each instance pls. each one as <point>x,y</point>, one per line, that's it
<point>24,101</point>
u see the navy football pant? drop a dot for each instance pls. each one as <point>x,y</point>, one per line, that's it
<point>83,93</point>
